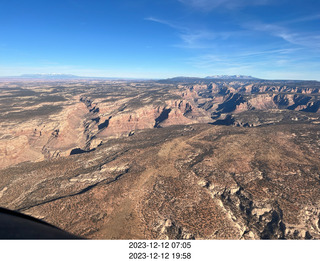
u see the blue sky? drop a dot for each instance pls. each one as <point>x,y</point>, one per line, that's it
<point>271,39</point>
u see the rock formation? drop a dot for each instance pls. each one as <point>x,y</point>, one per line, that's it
<point>160,160</point>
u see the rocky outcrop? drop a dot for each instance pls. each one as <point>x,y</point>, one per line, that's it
<point>122,122</point>
<point>51,120</point>
<point>40,139</point>
<point>83,121</point>
<point>238,97</point>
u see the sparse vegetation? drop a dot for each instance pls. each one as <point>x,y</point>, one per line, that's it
<point>139,159</point>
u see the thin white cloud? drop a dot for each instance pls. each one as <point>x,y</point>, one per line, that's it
<point>303,19</point>
<point>305,39</point>
<point>248,59</point>
<point>269,52</point>
<point>165,22</point>
<point>190,38</point>
<point>196,38</point>
<point>208,5</point>
<point>274,64</point>
<point>310,40</point>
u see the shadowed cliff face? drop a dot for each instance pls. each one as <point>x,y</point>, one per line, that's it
<point>234,102</point>
<point>237,97</point>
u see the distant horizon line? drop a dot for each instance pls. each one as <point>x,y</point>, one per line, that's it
<point>55,76</point>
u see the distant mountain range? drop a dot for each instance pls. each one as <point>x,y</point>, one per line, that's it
<point>49,76</point>
<point>181,79</point>
<point>231,77</point>
<point>57,76</point>
<point>61,76</point>
<point>184,79</point>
